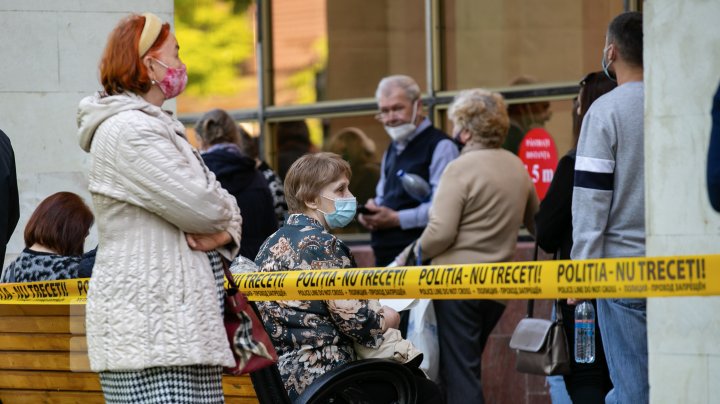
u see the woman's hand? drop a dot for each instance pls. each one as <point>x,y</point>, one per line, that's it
<point>392,318</point>
<point>207,242</point>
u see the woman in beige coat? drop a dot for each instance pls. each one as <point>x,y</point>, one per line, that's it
<point>154,324</point>
<point>483,198</point>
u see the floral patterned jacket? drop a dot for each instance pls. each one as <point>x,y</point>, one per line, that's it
<point>313,337</point>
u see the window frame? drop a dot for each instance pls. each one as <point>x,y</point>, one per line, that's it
<point>435,99</point>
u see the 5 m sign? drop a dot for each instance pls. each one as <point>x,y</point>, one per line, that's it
<point>539,154</point>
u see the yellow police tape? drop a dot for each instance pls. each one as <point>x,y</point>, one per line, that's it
<point>598,278</point>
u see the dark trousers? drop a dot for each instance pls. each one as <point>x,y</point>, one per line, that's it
<point>588,382</point>
<point>463,330</point>
<point>384,256</point>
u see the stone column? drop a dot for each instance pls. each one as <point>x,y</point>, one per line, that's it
<point>50,55</point>
<point>682,71</point>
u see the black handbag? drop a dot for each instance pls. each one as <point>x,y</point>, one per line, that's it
<point>540,344</point>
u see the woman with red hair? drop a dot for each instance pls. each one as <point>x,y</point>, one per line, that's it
<point>153,316</point>
<point>54,241</point>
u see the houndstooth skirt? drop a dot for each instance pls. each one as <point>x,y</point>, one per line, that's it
<point>193,384</point>
<point>171,384</point>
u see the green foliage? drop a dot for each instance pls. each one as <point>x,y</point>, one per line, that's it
<point>216,44</point>
<point>305,87</point>
<point>303,81</point>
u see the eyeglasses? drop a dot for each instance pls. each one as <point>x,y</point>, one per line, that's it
<point>387,113</point>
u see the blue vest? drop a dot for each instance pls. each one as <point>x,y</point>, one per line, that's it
<point>416,159</point>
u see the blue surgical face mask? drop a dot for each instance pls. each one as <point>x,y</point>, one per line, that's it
<point>606,66</point>
<point>345,209</point>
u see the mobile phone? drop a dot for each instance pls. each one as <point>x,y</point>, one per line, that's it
<point>363,210</point>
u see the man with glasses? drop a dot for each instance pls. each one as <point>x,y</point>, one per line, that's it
<point>395,218</point>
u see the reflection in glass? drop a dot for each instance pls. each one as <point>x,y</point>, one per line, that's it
<point>491,43</point>
<point>360,140</point>
<point>329,50</point>
<point>557,120</point>
<point>293,141</point>
<point>217,45</point>
<point>525,116</point>
<point>359,150</point>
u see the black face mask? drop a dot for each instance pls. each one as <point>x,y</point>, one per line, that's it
<point>458,143</point>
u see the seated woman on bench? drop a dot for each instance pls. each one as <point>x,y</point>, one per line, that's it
<point>54,241</point>
<point>313,337</point>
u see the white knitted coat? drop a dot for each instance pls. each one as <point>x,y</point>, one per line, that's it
<point>152,301</point>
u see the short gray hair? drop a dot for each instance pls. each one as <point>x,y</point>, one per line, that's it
<point>406,83</point>
<point>482,113</point>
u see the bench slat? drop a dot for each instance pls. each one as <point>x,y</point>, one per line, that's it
<point>78,397</point>
<point>50,397</point>
<point>240,386</point>
<point>42,342</point>
<point>58,361</point>
<point>42,310</point>
<point>241,400</point>
<point>46,380</point>
<point>233,386</point>
<point>43,324</point>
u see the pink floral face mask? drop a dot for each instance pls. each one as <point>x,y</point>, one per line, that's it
<point>174,81</point>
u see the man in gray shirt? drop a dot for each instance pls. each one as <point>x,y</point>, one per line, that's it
<point>608,206</point>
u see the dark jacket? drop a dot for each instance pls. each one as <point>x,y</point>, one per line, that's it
<point>713,162</point>
<point>238,175</point>
<point>9,203</point>
<point>416,158</point>
<point>553,222</point>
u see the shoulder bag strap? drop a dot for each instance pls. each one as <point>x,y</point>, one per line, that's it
<point>228,274</point>
<point>531,302</point>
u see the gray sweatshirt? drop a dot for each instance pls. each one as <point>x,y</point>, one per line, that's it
<point>608,206</point>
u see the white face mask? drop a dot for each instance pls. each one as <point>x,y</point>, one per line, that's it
<point>401,132</point>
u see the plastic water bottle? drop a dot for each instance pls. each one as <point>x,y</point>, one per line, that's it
<point>585,333</point>
<point>415,185</point>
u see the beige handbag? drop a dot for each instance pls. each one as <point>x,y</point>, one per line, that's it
<point>394,346</point>
<point>541,345</point>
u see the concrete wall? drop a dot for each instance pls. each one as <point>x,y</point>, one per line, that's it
<point>50,53</point>
<point>682,70</point>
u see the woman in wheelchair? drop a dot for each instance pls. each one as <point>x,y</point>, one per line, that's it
<point>313,337</point>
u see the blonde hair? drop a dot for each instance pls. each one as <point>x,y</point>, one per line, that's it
<point>353,145</point>
<point>309,174</point>
<point>482,113</point>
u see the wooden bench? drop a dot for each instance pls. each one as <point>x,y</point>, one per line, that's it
<point>43,358</point>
